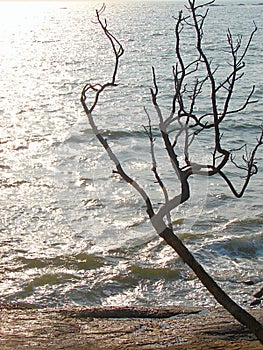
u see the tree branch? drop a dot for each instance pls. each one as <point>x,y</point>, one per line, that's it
<point>98,88</point>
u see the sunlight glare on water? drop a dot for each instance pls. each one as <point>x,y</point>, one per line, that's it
<point>71,231</point>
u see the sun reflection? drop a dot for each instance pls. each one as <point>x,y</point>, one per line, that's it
<point>14,13</point>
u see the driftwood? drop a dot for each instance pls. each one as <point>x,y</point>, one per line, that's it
<point>123,328</point>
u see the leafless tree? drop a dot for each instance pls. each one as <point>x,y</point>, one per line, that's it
<point>181,128</point>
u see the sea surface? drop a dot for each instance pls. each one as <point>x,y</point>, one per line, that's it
<point>73,233</point>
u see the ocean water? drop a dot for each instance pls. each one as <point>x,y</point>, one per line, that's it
<point>73,233</point>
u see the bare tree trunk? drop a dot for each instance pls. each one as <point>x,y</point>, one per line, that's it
<point>184,117</point>
<point>234,309</point>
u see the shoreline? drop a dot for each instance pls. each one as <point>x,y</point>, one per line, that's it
<point>123,327</point>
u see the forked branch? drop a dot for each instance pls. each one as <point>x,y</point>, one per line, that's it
<point>98,89</point>
<point>189,125</point>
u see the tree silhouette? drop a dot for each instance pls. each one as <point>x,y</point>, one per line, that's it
<point>184,124</point>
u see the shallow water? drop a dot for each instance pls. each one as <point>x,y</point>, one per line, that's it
<point>70,231</point>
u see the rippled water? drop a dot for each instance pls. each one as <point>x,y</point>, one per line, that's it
<point>70,231</point>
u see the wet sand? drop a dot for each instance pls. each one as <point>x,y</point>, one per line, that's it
<point>117,328</point>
